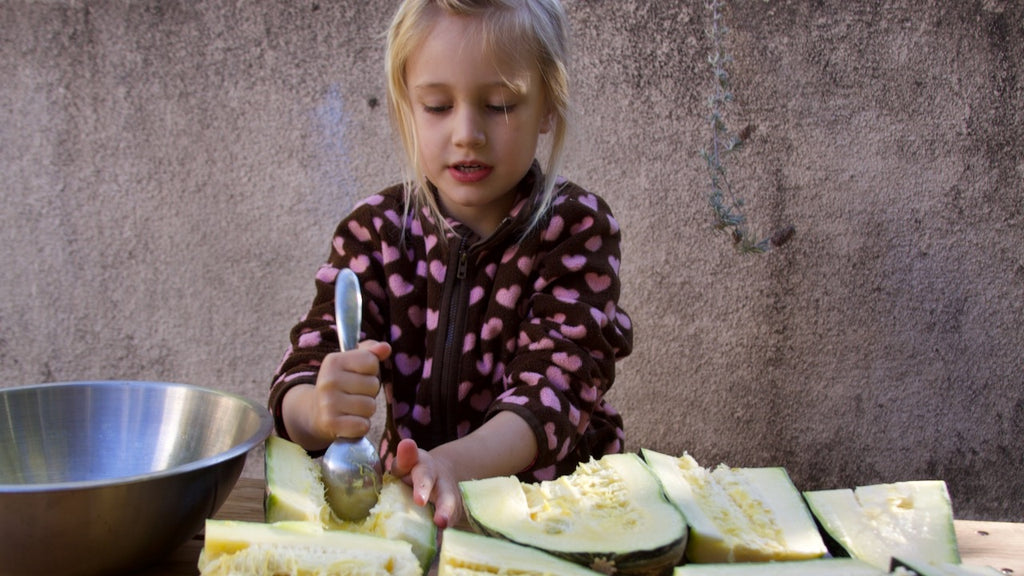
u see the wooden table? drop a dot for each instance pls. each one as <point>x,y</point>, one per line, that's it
<point>996,544</point>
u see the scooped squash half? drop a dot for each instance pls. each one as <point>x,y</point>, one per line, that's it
<point>878,522</point>
<point>817,567</point>
<point>609,515</point>
<point>738,514</point>
<point>469,554</point>
<point>922,567</point>
<point>295,492</point>
<point>235,548</point>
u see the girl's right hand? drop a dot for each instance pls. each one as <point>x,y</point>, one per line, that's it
<point>343,400</point>
<point>346,391</point>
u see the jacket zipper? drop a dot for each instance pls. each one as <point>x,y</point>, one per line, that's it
<point>444,400</point>
<point>445,389</point>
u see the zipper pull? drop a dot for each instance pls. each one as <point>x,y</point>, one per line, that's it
<point>463,264</point>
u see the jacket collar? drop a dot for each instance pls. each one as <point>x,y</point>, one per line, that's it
<point>528,195</point>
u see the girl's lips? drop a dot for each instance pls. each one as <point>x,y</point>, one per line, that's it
<point>469,173</point>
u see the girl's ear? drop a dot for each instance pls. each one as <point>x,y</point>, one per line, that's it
<point>548,122</point>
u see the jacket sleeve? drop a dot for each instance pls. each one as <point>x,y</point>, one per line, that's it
<point>315,336</point>
<point>572,336</point>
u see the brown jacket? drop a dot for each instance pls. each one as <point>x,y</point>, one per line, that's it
<point>477,326</point>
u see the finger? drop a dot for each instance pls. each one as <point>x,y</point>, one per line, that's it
<point>349,426</point>
<point>350,373</point>
<point>407,456</point>
<point>382,350</point>
<point>357,405</point>
<point>446,509</point>
<point>360,361</point>
<point>362,385</point>
<point>422,485</point>
<point>343,394</point>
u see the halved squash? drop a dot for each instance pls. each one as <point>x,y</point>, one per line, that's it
<point>609,515</point>
<point>469,554</point>
<point>922,567</point>
<point>738,514</point>
<point>295,492</point>
<point>878,522</point>
<point>234,548</point>
<point>817,567</point>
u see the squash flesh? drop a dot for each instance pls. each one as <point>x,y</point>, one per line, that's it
<point>234,548</point>
<point>738,514</point>
<point>878,522</point>
<point>924,567</point>
<point>818,567</point>
<point>295,492</point>
<point>598,490</point>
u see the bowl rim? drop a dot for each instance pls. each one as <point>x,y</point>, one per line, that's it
<point>265,428</point>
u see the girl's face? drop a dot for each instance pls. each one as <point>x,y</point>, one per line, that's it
<point>477,137</point>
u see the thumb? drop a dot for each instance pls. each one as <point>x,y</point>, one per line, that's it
<point>382,350</point>
<point>407,456</point>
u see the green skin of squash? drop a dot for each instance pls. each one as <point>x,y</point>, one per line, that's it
<point>654,544</point>
<point>295,492</point>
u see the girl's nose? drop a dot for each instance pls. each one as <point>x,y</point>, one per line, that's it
<point>468,131</point>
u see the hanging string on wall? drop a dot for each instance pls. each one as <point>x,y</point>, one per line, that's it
<point>725,205</point>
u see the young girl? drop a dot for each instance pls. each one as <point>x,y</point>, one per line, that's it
<point>490,290</point>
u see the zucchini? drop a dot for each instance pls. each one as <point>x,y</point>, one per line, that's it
<point>878,522</point>
<point>295,492</point>
<point>609,515</point>
<point>234,548</point>
<point>738,514</point>
<point>469,554</point>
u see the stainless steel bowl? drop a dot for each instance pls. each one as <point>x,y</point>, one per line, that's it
<point>108,477</point>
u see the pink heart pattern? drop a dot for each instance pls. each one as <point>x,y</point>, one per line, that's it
<point>598,282</point>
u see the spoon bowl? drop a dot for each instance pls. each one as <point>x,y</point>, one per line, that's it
<point>352,476</point>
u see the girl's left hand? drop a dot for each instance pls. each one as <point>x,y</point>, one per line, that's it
<point>432,480</point>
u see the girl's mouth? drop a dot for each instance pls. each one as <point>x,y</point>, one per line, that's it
<point>469,172</point>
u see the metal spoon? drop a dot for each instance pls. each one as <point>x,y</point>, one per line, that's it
<point>351,467</point>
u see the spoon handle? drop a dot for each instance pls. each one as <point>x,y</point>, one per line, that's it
<point>348,309</point>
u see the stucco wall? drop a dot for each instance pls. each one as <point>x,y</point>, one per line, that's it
<point>172,172</point>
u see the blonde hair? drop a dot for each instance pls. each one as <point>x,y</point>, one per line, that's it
<point>532,31</point>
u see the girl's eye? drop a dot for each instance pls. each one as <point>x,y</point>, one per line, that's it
<point>439,109</point>
<point>502,108</point>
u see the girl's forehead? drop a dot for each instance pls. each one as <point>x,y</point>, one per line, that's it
<point>459,36</point>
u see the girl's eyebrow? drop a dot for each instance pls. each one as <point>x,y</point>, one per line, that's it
<point>437,85</point>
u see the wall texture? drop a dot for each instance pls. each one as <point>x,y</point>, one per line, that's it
<point>172,171</point>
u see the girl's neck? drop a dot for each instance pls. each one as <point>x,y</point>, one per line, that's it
<point>483,223</point>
